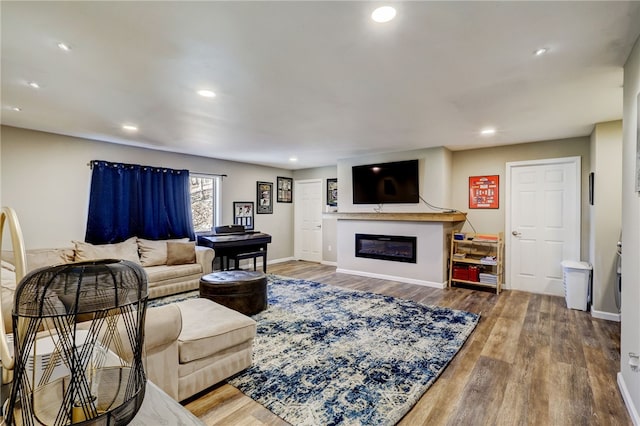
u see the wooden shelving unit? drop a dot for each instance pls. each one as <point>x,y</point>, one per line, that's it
<point>477,260</point>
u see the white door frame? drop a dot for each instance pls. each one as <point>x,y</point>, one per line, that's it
<point>297,247</point>
<point>507,222</point>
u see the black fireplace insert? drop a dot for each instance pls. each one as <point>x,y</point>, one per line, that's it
<point>386,247</point>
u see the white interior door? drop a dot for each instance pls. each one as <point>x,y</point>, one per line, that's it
<point>308,220</point>
<point>542,222</point>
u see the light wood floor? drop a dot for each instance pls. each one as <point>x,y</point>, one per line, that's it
<point>530,361</point>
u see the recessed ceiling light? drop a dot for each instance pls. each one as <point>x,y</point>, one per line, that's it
<point>34,84</point>
<point>293,159</point>
<point>383,14</point>
<point>206,93</point>
<point>16,109</point>
<point>488,131</point>
<point>541,51</point>
<point>130,127</point>
<point>64,46</point>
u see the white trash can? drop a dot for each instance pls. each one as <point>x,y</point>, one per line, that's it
<point>576,278</point>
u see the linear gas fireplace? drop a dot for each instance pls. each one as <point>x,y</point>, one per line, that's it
<point>386,247</point>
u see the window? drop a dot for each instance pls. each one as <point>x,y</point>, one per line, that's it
<point>205,202</point>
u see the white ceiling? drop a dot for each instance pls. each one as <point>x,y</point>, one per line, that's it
<point>315,80</point>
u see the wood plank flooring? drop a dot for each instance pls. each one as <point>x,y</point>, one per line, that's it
<point>530,361</point>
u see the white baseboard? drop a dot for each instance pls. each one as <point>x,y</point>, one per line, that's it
<point>392,278</point>
<point>633,413</point>
<point>609,316</point>
<point>328,263</point>
<point>281,260</point>
<point>249,262</point>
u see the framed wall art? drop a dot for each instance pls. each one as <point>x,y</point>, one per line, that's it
<point>264,197</point>
<point>243,214</point>
<point>332,192</point>
<point>484,192</point>
<point>285,189</point>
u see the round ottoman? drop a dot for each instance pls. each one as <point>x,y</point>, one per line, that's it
<point>243,291</point>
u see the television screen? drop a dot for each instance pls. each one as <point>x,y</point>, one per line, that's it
<point>386,183</point>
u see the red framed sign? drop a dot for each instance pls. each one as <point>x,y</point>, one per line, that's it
<point>484,192</point>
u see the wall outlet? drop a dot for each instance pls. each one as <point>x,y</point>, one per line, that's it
<point>329,247</point>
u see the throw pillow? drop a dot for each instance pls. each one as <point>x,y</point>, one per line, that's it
<point>127,250</point>
<point>154,252</point>
<point>39,258</point>
<point>179,253</point>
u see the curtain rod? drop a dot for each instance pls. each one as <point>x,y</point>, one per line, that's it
<point>90,164</point>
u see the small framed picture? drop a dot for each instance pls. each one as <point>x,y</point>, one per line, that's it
<point>285,189</point>
<point>332,192</point>
<point>264,197</point>
<point>243,214</point>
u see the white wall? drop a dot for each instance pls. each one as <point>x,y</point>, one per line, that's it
<point>630,332</point>
<point>45,178</point>
<point>605,214</point>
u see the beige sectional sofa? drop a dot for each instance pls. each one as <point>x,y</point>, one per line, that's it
<point>166,274</point>
<point>190,345</point>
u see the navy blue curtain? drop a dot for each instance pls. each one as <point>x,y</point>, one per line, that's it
<point>129,200</point>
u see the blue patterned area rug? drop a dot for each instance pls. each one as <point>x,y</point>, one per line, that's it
<point>325,355</point>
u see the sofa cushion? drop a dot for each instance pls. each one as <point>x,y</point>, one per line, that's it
<point>7,266</point>
<point>154,252</point>
<point>8,278</point>
<point>162,273</point>
<point>181,253</point>
<point>208,328</point>
<point>127,250</point>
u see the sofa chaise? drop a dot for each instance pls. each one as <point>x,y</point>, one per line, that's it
<point>190,345</point>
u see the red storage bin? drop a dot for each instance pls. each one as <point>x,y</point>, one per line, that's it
<point>460,273</point>
<point>474,273</point>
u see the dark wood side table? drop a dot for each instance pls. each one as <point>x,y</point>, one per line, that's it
<point>243,291</point>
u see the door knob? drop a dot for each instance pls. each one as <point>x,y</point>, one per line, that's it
<point>515,233</point>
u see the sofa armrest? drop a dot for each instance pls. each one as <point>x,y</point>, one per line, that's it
<point>204,256</point>
<point>163,325</point>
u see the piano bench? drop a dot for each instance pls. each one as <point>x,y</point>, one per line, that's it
<point>251,255</point>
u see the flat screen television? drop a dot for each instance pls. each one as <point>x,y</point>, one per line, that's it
<point>386,183</point>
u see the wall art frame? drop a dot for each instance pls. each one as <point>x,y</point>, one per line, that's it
<point>243,214</point>
<point>484,192</point>
<point>285,189</point>
<point>332,192</point>
<point>264,197</point>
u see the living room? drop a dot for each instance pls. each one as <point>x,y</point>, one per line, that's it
<point>46,178</point>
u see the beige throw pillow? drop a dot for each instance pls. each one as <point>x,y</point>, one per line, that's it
<point>154,252</point>
<point>39,258</point>
<point>179,253</point>
<point>127,250</point>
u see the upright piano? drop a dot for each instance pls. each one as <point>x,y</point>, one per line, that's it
<point>237,246</point>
